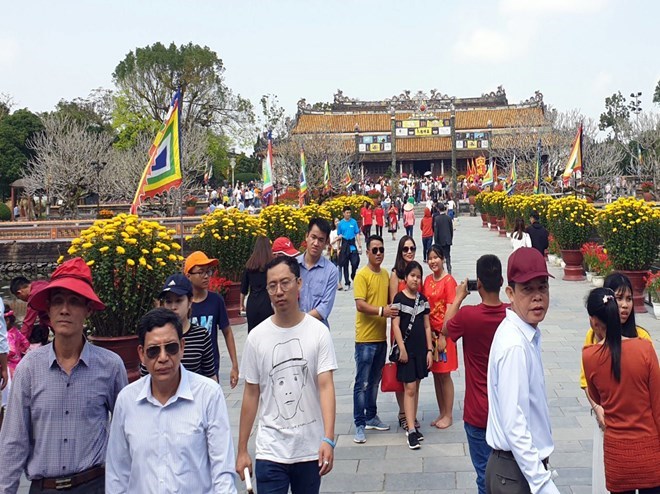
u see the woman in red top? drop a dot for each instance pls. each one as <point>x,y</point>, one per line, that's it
<point>379,213</point>
<point>366,213</point>
<point>427,232</point>
<point>440,290</point>
<point>623,376</point>
<point>393,220</point>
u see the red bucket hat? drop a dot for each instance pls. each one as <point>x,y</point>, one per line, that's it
<point>72,275</point>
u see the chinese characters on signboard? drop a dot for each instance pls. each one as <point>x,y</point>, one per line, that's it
<point>375,144</point>
<point>471,140</point>
<point>423,128</point>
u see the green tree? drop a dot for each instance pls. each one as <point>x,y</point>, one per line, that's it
<point>656,93</point>
<point>16,130</point>
<point>149,76</point>
<point>616,114</point>
<point>130,125</point>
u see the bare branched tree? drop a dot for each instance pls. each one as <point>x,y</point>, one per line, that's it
<point>62,167</point>
<point>646,154</point>
<point>340,153</point>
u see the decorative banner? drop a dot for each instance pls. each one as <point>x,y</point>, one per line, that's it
<point>423,127</point>
<point>481,165</point>
<point>574,163</point>
<point>472,140</point>
<point>380,143</point>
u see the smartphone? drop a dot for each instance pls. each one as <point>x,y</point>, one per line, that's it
<point>472,285</point>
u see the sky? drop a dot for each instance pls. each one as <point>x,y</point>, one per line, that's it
<point>576,52</point>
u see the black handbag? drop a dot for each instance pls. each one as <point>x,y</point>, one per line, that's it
<point>395,352</point>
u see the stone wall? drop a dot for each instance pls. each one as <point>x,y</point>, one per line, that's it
<point>31,256</point>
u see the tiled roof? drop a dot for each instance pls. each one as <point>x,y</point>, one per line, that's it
<point>380,122</point>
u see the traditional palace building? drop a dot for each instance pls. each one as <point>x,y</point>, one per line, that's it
<point>414,132</point>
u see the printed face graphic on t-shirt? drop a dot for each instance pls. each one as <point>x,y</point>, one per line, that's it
<point>288,376</point>
<point>287,389</point>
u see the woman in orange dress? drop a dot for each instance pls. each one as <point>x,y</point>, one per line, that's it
<point>623,376</point>
<point>440,290</point>
<point>393,220</point>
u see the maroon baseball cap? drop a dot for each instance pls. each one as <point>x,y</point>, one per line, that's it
<point>526,263</point>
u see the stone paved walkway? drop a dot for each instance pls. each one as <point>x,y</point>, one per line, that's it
<point>385,464</point>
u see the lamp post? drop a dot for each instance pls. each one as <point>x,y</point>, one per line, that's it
<point>635,107</point>
<point>356,129</point>
<point>489,124</point>
<point>98,168</point>
<point>452,126</point>
<point>232,163</point>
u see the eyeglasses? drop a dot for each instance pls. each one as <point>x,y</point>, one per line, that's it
<point>208,272</point>
<point>154,351</point>
<point>284,284</point>
<point>378,250</point>
<point>407,249</point>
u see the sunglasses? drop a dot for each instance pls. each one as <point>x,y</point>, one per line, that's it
<point>154,351</point>
<point>407,249</point>
<point>378,250</point>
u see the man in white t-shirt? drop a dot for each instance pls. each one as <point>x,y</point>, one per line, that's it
<point>288,363</point>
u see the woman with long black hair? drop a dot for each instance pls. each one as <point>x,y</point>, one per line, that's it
<point>623,376</point>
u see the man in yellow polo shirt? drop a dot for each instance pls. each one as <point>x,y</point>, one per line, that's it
<point>371,301</point>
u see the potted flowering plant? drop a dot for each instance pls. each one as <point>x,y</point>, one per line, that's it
<point>647,190</point>
<point>589,250</point>
<point>130,260</point>
<point>479,204</point>
<point>630,229</point>
<point>220,285</point>
<point>280,220</point>
<point>227,235</point>
<point>653,288</point>
<point>191,205</point>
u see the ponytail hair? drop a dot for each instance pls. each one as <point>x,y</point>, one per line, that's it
<point>601,304</point>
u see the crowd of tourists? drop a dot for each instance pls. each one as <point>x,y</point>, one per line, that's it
<point>74,423</point>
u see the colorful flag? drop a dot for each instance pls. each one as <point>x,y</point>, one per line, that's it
<point>575,158</point>
<point>512,178</point>
<point>163,171</point>
<point>208,173</point>
<point>303,179</point>
<point>327,186</point>
<point>537,173</point>
<point>267,174</point>
<point>469,174</point>
<point>488,176</point>
<point>349,179</point>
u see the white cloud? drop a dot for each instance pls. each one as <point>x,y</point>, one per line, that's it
<point>8,50</point>
<point>488,45</point>
<point>539,7</point>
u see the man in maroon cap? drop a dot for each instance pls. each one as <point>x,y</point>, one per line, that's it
<point>62,395</point>
<point>518,428</point>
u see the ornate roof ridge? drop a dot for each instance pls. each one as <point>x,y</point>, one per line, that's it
<point>408,102</point>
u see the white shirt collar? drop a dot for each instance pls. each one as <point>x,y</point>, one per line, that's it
<point>526,329</point>
<point>182,392</point>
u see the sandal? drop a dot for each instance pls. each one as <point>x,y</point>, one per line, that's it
<point>403,423</point>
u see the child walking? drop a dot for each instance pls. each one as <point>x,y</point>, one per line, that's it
<point>412,332</point>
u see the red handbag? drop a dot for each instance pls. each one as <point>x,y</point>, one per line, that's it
<point>389,383</point>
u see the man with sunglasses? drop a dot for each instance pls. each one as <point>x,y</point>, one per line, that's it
<point>373,309</point>
<point>209,310</point>
<point>170,430</point>
<point>288,364</point>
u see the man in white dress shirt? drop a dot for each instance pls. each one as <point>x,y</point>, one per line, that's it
<point>170,430</point>
<point>518,427</point>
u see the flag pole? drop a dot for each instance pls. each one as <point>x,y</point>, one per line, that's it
<point>182,233</point>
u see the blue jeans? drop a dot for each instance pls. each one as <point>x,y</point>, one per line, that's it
<point>275,478</point>
<point>479,453</point>
<point>427,242</point>
<point>369,362</point>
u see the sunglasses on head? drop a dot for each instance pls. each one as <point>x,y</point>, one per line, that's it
<point>378,250</point>
<point>409,249</point>
<point>154,351</point>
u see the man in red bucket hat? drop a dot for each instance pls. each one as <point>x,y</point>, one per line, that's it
<point>56,429</point>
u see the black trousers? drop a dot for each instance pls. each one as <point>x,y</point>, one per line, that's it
<point>379,231</point>
<point>354,260</point>
<point>446,250</point>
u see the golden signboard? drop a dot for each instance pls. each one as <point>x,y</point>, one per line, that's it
<point>424,131</point>
<point>374,148</point>
<point>410,124</point>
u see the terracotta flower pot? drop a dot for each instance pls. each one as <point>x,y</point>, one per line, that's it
<point>501,224</point>
<point>190,210</point>
<point>232,301</point>
<point>126,348</point>
<point>638,283</point>
<point>484,220</point>
<point>493,223</point>
<point>573,270</point>
<point>648,197</point>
